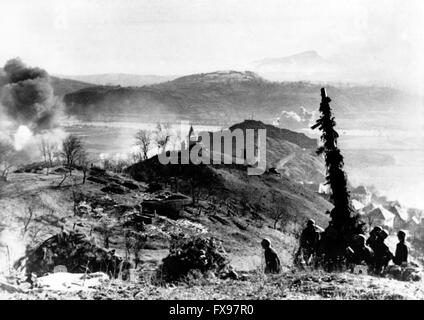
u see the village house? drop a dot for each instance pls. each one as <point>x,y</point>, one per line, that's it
<point>361,194</point>
<point>380,217</point>
<point>416,227</point>
<point>357,205</point>
<point>401,220</point>
<point>382,200</point>
<point>368,208</point>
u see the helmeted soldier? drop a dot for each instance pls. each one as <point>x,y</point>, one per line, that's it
<point>373,238</point>
<point>401,254</point>
<point>359,252</point>
<point>382,252</point>
<point>272,262</point>
<point>309,240</point>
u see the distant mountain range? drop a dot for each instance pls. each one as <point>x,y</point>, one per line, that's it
<point>304,66</point>
<point>307,59</point>
<point>61,86</point>
<point>308,65</point>
<point>337,68</point>
<point>120,79</point>
<point>226,97</point>
<point>65,86</point>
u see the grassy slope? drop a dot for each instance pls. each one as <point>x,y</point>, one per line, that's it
<point>53,208</point>
<point>291,153</point>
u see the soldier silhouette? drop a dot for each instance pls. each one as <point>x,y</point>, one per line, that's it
<point>272,262</point>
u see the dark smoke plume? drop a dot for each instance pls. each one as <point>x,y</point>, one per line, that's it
<point>27,96</point>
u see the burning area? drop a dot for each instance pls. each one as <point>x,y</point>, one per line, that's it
<point>28,107</point>
<point>27,97</point>
<point>29,114</point>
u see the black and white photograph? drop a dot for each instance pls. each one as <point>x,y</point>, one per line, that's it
<point>212,150</point>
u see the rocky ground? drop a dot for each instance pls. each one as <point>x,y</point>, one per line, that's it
<point>33,208</point>
<point>291,285</point>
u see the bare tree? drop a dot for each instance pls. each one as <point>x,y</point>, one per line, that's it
<point>72,148</point>
<point>195,176</point>
<point>43,150</point>
<point>47,150</point>
<point>76,198</point>
<point>108,164</point>
<point>31,229</point>
<point>162,136</point>
<point>73,152</point>
<point>84,161</point>
<point>121,164</point>
<point>28,219</point>
<point>105,228</point>
<point>7,155</point>
<point>116,165</point>
<point>133,157</point>
<point>277,215</point>
<point>143,141</point>
<point>51,152</point>
<point>278,212</point>
<point>134,242</point>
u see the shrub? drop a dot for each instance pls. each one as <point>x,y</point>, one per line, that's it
<point>76,252</point>
<point>187,254</point>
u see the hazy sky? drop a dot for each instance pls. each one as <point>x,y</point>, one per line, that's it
<point>182,36</point>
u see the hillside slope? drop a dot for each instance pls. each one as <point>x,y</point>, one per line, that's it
<point>226,97</point>
<point>61,86</point>
<point>268,193</point>
<point>291,153</point>
<point>120,79</point>
<point>52,208</point>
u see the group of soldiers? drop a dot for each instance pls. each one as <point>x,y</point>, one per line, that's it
<point>373,252</point>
